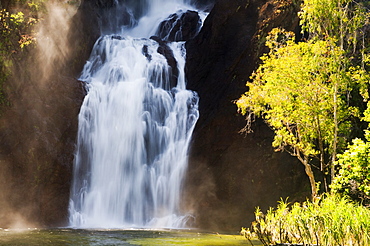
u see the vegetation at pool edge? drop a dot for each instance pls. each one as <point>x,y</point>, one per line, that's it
<point>330,220</point>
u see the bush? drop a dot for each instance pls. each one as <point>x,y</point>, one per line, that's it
<point>330,220</point>
<point>354,171</point>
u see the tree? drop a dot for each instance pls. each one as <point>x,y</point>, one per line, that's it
<point>340,20</point>
<point>353,178</point>
<point>299,90</point>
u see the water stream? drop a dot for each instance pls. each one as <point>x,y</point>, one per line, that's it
<point>135,125</point>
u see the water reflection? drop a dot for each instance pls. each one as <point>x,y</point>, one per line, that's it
<point>69,237</point>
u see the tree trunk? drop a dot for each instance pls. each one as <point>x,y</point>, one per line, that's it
<point>322,151</point>
<point>311,177</point>
<point>335,132</point>
<point>309,172</point>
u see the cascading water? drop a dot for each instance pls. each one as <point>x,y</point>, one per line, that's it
<point>135,126</point>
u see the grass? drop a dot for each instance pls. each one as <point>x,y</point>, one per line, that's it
<point>329,221</point>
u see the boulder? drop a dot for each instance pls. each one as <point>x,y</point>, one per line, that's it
<point>180,26</point>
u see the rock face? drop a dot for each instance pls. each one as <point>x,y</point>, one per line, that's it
<point>230,173</point>
<point>37,146</point>
<point>38,131</point>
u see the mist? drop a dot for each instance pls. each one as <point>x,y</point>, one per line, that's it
<point>36,133</point>
<point>53,48</point>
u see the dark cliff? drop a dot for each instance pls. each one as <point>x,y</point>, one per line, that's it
<point>232,173</point>
<point>38,129</point>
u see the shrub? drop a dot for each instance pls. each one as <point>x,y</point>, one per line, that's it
<point>354,171</point>
<point>330,220</point>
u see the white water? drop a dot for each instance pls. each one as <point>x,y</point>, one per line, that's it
<point>134,131</point>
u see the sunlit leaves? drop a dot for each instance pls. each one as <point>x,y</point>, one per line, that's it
<point>302,91</point>
<point>14,28</point>
<point>354,170</point>
<point>339,20</point>
<point>306,92</point>
<point>331,220</point>
<point>293,91</point>
<point>16,33</point>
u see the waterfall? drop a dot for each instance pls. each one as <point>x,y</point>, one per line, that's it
<point>135,125</point>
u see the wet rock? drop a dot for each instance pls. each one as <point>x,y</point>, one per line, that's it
<point>180,26</point>
<point>146,53</point>
<point>36,162</point>
<point>166,51</point>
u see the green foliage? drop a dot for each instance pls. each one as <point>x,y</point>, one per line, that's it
<point>339,20</point>
<point>303,90</point>
<point>16,26</point>
<point>309,93</point>
<point>16,34</point>
<point>354,171</point>
<point>300,90</point>
<point>331,220</point>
